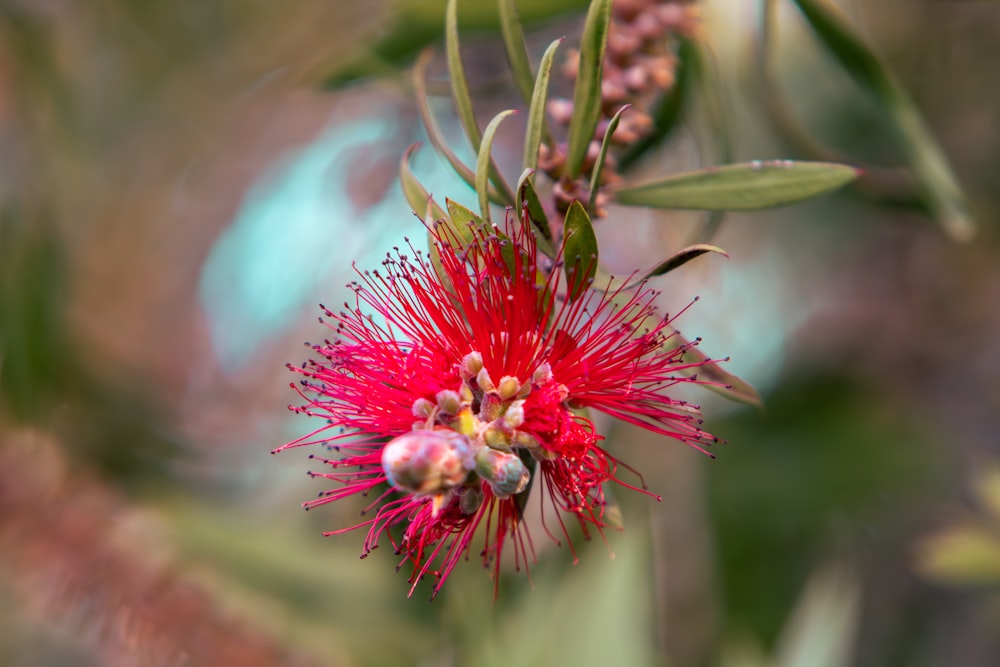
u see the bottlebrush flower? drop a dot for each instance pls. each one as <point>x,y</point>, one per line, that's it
<point>451,385</point>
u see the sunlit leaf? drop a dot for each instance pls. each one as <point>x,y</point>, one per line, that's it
<point>927,160</point>
<point>456,72</point>
<point>463,100</point>
<point>587,94</point>
<point>517,54</point>
<point>483,163</point>
<point>739,187</point>
<point>536,111</point>
<point>595,176</point>
<point>579,251</point>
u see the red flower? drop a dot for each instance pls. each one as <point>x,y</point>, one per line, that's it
<point>450,384</point>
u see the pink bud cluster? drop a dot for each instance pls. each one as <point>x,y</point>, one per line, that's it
<point>639,65</point>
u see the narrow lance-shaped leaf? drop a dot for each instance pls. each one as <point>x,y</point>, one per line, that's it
<point>434,132</point>
<point>579,251</point>
<point>536,110</point>
<point>416,195</point>
<point>944,195</point>
<point>722,382</point>
<point>456,72</point>
<point>528,197</point>
<point>679,258</point>
<point>587,93</point>
<point>517,54</point>
<point>595,176</point>
<point>739,187</point>
<point>462,98</point>
<point>483,163</point>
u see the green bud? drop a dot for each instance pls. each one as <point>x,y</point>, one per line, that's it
<point>484,380</point>
<point>422,408</point>
<point>504,472</point>
<point>471,364</point>
<point>449,401</point>
<point>508,387</point>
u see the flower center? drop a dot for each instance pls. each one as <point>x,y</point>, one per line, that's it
<point>472,434</point>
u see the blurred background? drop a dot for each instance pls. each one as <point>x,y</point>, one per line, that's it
<point>181,183</point>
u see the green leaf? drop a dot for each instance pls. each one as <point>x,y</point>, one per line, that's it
<point>579,251</point>
<point>681,257</point>
<point>416,195</point>
<point>587,93</point>
<point>456,72</point>
<point>412,25</point>
<point>595,176</point>
<point>483,163</point>
<point>536,110</point>
<point>463,100</point>
<point>517,54</point>
<point>739,187</point>
<point>434,133</point>
<point>530,462</point>
<point>528,198</point>
<point>721,382</point>
<point>458,229</point>
<point>462,221</point>
<point>943,194</point>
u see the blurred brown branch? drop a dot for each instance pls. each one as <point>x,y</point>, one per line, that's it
<point>70,563</point>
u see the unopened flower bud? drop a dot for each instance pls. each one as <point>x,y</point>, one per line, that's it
<point>508,387</point>
<point>496,437</point>
<point>504,471</point>
<point>484,380</point>
<point>514,416</point>
<point>427,462</point>
<point>449,401</point>
<point>542,375</point>
<point>422,408</point>
<point>471,364</point>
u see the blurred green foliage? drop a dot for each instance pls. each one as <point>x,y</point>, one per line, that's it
<point>831,463</point>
